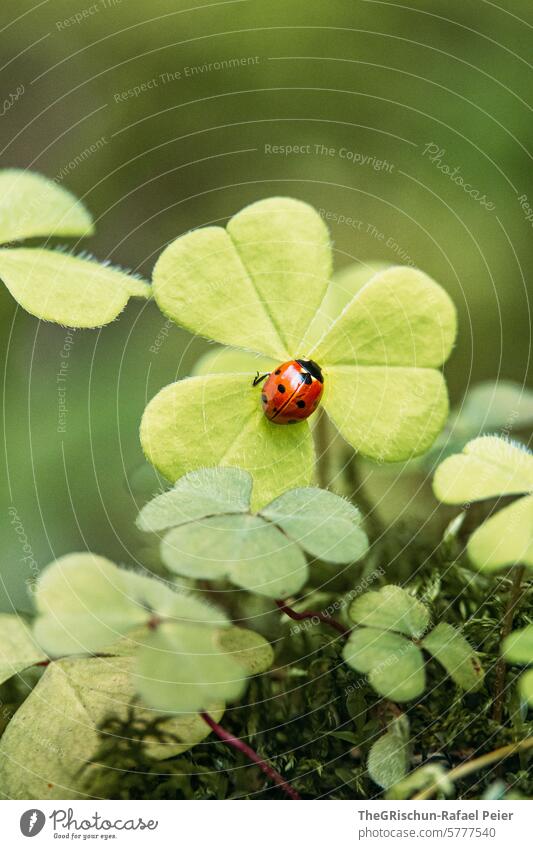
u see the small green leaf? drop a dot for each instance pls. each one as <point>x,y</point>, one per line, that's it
<point>504,539</point>
<point>526,686</point>
<point>488,467</point>
<point>69,290</point>
<point>217,420</point>
<point>395,666</point>
<point>250,650</point>
<point>387,414</point>
<point>388,759</point>
<point>401,317</point>
<point>324,524</point>
<point>31,205</point>
<point>183,668</point>
<point>53,735</point>
<point>518,646</point>
<point>254,554</point>
<point>206,492</point>
<point>449,647</point>
<point>391,608</point>
<point>18,649</point>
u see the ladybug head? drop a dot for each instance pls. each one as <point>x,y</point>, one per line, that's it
<point>313,369</point>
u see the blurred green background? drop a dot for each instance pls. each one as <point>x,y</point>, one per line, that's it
<point>162,116</point>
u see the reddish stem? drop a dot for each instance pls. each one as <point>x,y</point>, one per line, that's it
<point>313,614</point>
<point>238,744</point>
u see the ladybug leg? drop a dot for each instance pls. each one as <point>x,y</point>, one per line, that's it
<point>259,378</point>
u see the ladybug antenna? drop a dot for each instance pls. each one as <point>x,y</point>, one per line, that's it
<point>259,378</point>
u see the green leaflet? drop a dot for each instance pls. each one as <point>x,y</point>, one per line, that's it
<point>217,420</point>
<point>387,414</point>
<point>388,759</point>
<point>401,317</point>
<point>248,649</point>
<point>449,647</point>
<point>326,526</point>
<point>18,649</point>
<point>252,553</point>
<point>395,667</point>
<point>201,493</point>
<point>243,286</point>
<point>31,205</point>
<point>53,735</point>
<point>526,686</point>
<point>504,539</point>
<point>488,467</point>
<point>390,608</point>
<point>69,290</point>
<point>518,646</point>
<point>183,668</point>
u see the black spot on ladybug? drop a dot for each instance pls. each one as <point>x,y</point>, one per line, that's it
<point>264,398</point>
<point>292,421</point>
<point>278,371</point>
<point>300,404</point>
<point>281,388</point>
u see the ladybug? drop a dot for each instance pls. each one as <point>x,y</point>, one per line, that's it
<point>292,392</point>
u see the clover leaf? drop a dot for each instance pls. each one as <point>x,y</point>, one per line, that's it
<point>518,648</point>
<point>76,291</point>
<point>212,533</point>
<point>491,467</point>
<point>86,604</point>
<point>258,285</point>
<point>387,645</point>
<point>48,749</point>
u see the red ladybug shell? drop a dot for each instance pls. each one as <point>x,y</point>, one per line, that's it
<point>292,392</point>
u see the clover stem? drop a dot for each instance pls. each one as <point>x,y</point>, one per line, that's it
<point>357,492</point>
<point>515,592</point>
<point>478,763</point>
<point>321,434</point>
<point>312,614</point>
<point>246,750</point>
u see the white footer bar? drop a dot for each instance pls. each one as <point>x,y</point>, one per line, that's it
<point>267,824</point>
